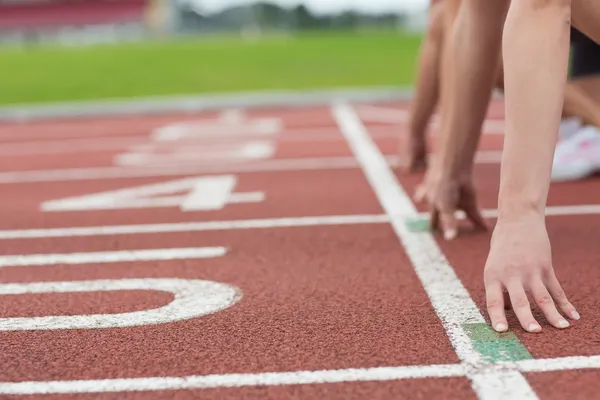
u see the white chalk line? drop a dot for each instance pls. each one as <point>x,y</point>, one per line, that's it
<point>175,169</point>
<point>232,380</point>
<point>370,113</point>
<point>284,378</point>
<point>450,299</point>
<point>112,256</point>
<point>70,146</point>
<point>193,226</point>
<point>79,145</point>
<point>265,223</point>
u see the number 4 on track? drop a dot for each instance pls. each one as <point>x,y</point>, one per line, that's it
<point>189,194</point>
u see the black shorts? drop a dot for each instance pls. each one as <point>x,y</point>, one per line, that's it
<point>585,55</point>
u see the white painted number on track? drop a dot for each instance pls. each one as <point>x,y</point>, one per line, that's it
<point>160,155</point>
<point>192,298</point>
<point>233,138</point>
<point>201,194</point>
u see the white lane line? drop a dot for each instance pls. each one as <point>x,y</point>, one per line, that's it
<point>232,380</point>
<point>78,174</point>
<point>560,364</point>
<point>450,299</point>
<point>70,146</point>
<point>112,256</point>
<point>286,378</point>
<point>94,145</point>
<point>291,222</point>
<point>391,115</point>
<point>193,226</point>
<point>275,165</point>
<point>551,211</point>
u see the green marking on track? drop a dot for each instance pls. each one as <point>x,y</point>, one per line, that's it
<point>418,225</point>
<point>494,346</point>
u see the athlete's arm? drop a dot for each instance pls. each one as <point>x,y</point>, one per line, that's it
<point>536,49</point>
<point>470,61</point>
<point>426,94</point>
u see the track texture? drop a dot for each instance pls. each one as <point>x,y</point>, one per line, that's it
<point>316,288</point>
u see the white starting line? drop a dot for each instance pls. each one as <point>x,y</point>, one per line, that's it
<point>266,223</point>
<point>283,378</point>
<point>174,168</point>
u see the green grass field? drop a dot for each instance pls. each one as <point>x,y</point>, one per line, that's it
<point>194,66</point>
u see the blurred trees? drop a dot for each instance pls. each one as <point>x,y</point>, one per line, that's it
<point>266,16</point>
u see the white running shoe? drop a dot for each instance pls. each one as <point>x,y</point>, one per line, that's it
<point>577,156</point>
<point>568,127</point>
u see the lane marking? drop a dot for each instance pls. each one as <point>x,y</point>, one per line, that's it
<point>391,115</point>
<point>450,299</point>
<point>193,226</point>
<point>286,378</point>
<point>100,143</point>
<point>419,223</point>
<point>78,174</point>
<point>70,146</point>
<point>494,346</point>
<point>76,145</point>
<point>275,165</point>
<point>112,256</point>
<point>560,364</point>
<point>204,193</point>
<point>191,299</point>
<point>232,380</point>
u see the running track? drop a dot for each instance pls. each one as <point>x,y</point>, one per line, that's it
<point>271,253</point>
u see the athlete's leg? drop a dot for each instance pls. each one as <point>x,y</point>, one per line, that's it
<point>426,88</point>
<point>580,99</point>
<point>577,154</point>
<point>585,65</point>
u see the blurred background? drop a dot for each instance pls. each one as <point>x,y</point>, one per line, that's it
<point>66,50</point>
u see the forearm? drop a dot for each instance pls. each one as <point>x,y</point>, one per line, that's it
<point>472,61</point>
<point>536,47</point>
<point>427,83</point>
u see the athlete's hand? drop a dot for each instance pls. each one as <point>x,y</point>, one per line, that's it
<point>445,196</point>
<point>520,263</point>
<point>414,151</point>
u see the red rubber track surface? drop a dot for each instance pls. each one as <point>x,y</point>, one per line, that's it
<point>321,297</point>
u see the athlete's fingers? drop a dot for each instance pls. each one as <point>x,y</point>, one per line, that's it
<point>469,206</point>
<point>449,224</point>
<point>420,193</point>
<point>434,222</point>
<point>544,301</point>
<point>559,296</point>
<point>495,306</point>
<point>521,306</point>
